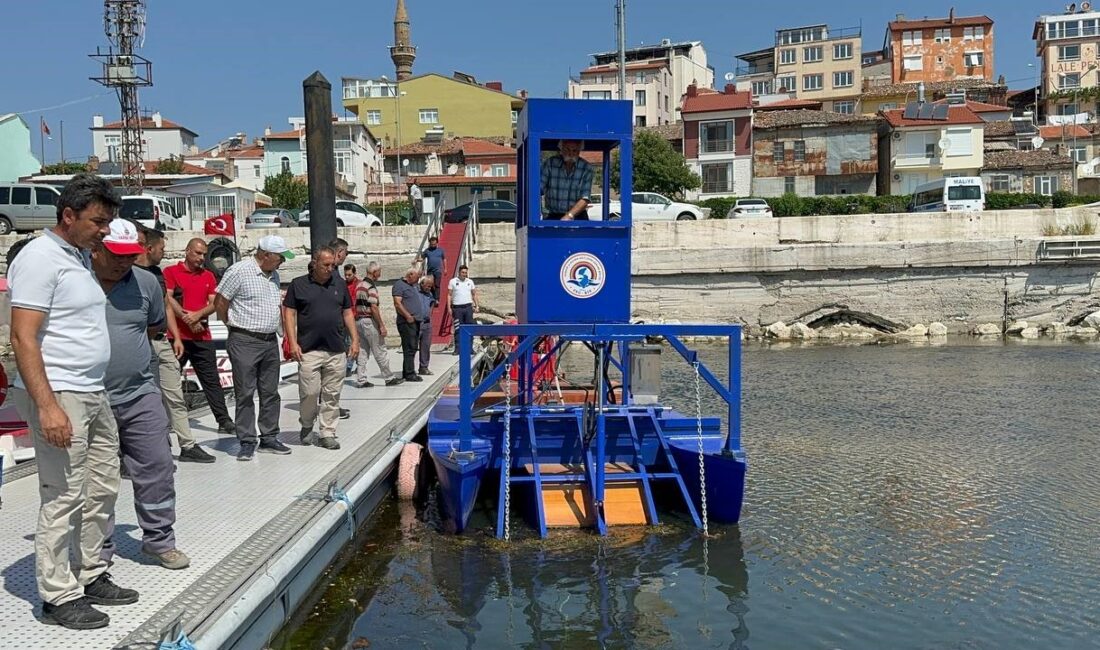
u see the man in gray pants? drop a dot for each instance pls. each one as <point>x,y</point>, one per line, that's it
<point>135,310</point>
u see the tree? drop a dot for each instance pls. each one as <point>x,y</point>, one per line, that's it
<point>657,167</point>
<point>169,166</point>
<point>286,191</point>
<point>64,168</point>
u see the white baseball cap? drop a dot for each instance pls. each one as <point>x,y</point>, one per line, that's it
<point>123,238</point>
<point>275,244</point>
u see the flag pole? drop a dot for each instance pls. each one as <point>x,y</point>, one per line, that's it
<point>42,139</point>
<point>62,136</point>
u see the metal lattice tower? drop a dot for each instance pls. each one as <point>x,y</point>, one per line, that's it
<point>124,24</point>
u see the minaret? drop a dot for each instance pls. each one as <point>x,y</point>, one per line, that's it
<point>402,51</point>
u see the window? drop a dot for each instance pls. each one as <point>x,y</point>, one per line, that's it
<point>959,141</point>
<point>787,56</point>
<point>666,103</point>
<point>431,115</point>
<point>1067,109</point>
<point>1069,80</point>
<point>912,62</point>
<point>802,35</point>
<point>920,144</point>
<point>812,54</point>
<point>1046,185</point>
<point>976,33</point>
<point>842,51</point>
<point>343,162</point>
<point>639,120</point>
<point>45,196</point>
<point>1024,144</point>
<point>843,79</point>
<point>761,88</point>
<point>499,170</point>
<point>911,38</point>
<point>285,165</point>
<point>473,170</point>
<point>1069,52</point>
<point>778,151</point>
<point>788,184</point>
<point>717,178</point>
<point>887,106</point>
<point>847,107</point>
<point>942,36</point>
<point>639,77</point>
<point>515,117</point>
<point>716,137</point>
<point>5,195</point>
<point>20,196</point>
<point>1078,154</point>
<point>374,117</point>
<point>639,98</point>
<point>813,81</point>
<point>786,84</point>
<point>1000,183</point>
<point>112,140</point>
<point>799,150</point>
<point>972,59</point>
<point>256,171</point>
<point>597,94</point>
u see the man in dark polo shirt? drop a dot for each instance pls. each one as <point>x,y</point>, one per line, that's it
<point>434,259</point>
<point>317,317</point>
<point>191,290</point>
<point>410,313</point>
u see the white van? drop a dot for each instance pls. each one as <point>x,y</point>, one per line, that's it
<point>950,194</point>
<point>27,207</point>
<point>151,211</point>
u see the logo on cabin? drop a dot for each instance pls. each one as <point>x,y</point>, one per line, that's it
<point>582,275</point>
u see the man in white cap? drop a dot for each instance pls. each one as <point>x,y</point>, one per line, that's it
<point>135,310</point>
<point>248,302</point>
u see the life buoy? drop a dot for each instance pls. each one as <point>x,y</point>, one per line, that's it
<point>408,471</point>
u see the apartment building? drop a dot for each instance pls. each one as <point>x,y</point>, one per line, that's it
<point>918,145</point>
<point>718,140</point>
<point>657,77</point>
<point>160,139</point>
<point>940,49</point>
<point>813,153</point>
<point>1066,45</point>
<point>813,62</point>
<point>355,151</point>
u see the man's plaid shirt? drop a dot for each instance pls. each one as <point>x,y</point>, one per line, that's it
<point>561,189</point>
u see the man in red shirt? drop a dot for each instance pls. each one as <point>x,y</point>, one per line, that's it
<point>191,290</point>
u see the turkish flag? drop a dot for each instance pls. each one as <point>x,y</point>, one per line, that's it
<point>223,224</point>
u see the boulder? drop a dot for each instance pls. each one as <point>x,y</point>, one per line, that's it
<point>937,329</point>
<point>1092,320</point>
<point>915,332</point>
<point>986,329</point>
<point>1030,332</point>
<point>1054,329</point>
<point>1016,327</point>
<point>829,333</point>
<point>860,332</point>
<point>802,331</point>
<point>778,330</point>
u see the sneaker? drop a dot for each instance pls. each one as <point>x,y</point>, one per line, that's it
<point>274,446</point>
<point>195,454</point>
<point>76,615</point>
<point>394,381</point>
<point>328,443</point>
<point>248,450</point>
<point>414,378</point>
<point>425,371</point>
<point>227,429</point>
<point>345,414</point>
<point>364,384</point>
<point>304,434</point>
<point>102,591</point>
<point>172,559</point>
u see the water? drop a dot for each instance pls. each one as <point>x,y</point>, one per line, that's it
<point>898,496</point>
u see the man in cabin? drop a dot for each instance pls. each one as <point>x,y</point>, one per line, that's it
<point>372,329</point>
<point>566,183</point>
<point>428,302</point>
<point>248,302</point>
<point>435,259</point>
<point>135,313</point>
<point>463,301</point>
<point>409,306</point>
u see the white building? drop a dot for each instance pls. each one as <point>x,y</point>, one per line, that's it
<point>356,152</point>
<point>657,76</point>
<point>236,158</point>
<point>160,139</point>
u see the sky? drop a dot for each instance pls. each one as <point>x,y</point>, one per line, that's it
<point>237,65</point>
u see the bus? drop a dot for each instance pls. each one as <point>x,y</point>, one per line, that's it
<point>950,194</point>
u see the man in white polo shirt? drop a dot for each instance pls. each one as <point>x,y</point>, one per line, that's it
<point>62,348</point>
<point>463,301</point>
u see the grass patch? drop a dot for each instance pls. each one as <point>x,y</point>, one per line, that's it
<point>1083,228</point>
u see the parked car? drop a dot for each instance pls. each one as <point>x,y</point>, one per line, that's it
<point>650,206</point>
<point>488,211</point>
<point>151,211</point>
<point>750,208</point>
<point>270,218</point>
<point>24,207</point>
<point>348,213</point>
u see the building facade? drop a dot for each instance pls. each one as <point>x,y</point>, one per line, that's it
<point>356,152</point>
<point>917,151</point>
<point>16,158</point>
<point>1038,171</point>
<point>1066,45</point>
<point>814,153</point>
<point>718,140</point>
<point>940,49</point>
<point>885,97</point>
<point>160,139</point>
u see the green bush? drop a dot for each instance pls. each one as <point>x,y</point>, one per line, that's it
<point>398,213</point>
<point>788,205</point>
<point>719,206</point>
<point>1061,199</point>
<point>1010,200</point>
<point>1081,199</point>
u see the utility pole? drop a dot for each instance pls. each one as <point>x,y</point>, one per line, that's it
<point>124,24</point>
<point>620,25</point>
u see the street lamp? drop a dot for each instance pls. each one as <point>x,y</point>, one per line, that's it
<point>1035,95</point>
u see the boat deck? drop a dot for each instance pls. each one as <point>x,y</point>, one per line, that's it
<point>235,520</point>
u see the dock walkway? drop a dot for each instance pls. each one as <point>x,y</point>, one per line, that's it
<point>258,533</point>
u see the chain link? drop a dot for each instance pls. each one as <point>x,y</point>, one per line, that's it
<point>702,455</point>
<point>506,451</point>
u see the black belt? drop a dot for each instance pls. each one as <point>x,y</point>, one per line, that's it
<point>160,336</point>
<point>263,336</point>
<point>469,304</point>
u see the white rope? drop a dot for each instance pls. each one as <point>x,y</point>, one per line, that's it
<point>702,456</point>
<point>506,461</point>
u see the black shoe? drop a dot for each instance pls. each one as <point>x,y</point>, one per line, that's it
<point>345,414</point>
<point>328,443</point>
<point>393,381</point>
<point>273,446</point>
<point>227,429</point>
<point>248,450</point>
<point>304,434</point>
<point>364,384</point>
<point>425,371</point>
<point>414,378</point>
<point>195,454</point>
<point>102,591</point>
<point>76,615</point>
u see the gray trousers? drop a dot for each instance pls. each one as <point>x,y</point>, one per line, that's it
<point>255,369</point>
<point>146,448</point>
<point>371,345</point>
<point>171,392</point>
<point>425,344</point>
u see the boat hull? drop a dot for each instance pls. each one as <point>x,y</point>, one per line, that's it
<point>725,478</point>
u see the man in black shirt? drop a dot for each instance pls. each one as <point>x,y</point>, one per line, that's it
<point>317,317</point>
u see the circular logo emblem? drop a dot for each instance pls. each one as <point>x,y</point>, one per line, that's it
<point>582,275</point>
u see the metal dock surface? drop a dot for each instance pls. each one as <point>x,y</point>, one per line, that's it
<point>258,533</point>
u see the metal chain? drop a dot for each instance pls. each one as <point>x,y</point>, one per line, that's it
<point>702,456</point>
<point>506,450</point>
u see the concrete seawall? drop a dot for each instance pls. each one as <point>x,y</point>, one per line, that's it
<point>958,268</point>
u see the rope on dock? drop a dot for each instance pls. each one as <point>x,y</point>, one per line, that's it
<point>336,493</point>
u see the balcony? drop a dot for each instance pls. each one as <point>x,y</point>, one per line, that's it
<point>911,160</point>
<point>803,36</point>
<point>341,144</point>
<point>753,70</point>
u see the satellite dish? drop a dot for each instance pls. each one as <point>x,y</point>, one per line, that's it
<point>1037,142</point>
<point>730,76</point>
<point>944,144</point>
<point>405,162</point>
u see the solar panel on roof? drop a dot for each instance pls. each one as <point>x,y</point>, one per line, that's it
<point>940,113</point>
<point>1024,127</point>
<point>911,110</point>
<point>925,112</point>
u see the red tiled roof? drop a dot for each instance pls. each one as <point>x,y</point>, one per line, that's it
<point>463,181</point>
<point>1056,132</point>
<point>478,147</point>
<point>927,23</point>
<point>147,124</point>
<point>718,102</point>
<point>982,107</point>
<point>252,151</point>
<point>956,114</point>
<point>629,66</point>
<point>285,135</point>
<point>788,104</point>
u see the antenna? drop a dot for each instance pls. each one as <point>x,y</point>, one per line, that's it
<point>620,28</point>
<point>124,25</point>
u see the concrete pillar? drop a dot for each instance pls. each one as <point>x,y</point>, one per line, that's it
<point>320,162</point>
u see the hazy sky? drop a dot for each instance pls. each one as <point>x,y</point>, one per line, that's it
<point>237,65</point>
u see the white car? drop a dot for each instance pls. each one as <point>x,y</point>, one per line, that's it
<point>348,213</point>
<point>750,208</point>
<point>151,211</point>
<point>650,206</point>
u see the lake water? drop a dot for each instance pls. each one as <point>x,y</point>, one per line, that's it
<point>898,496</point>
